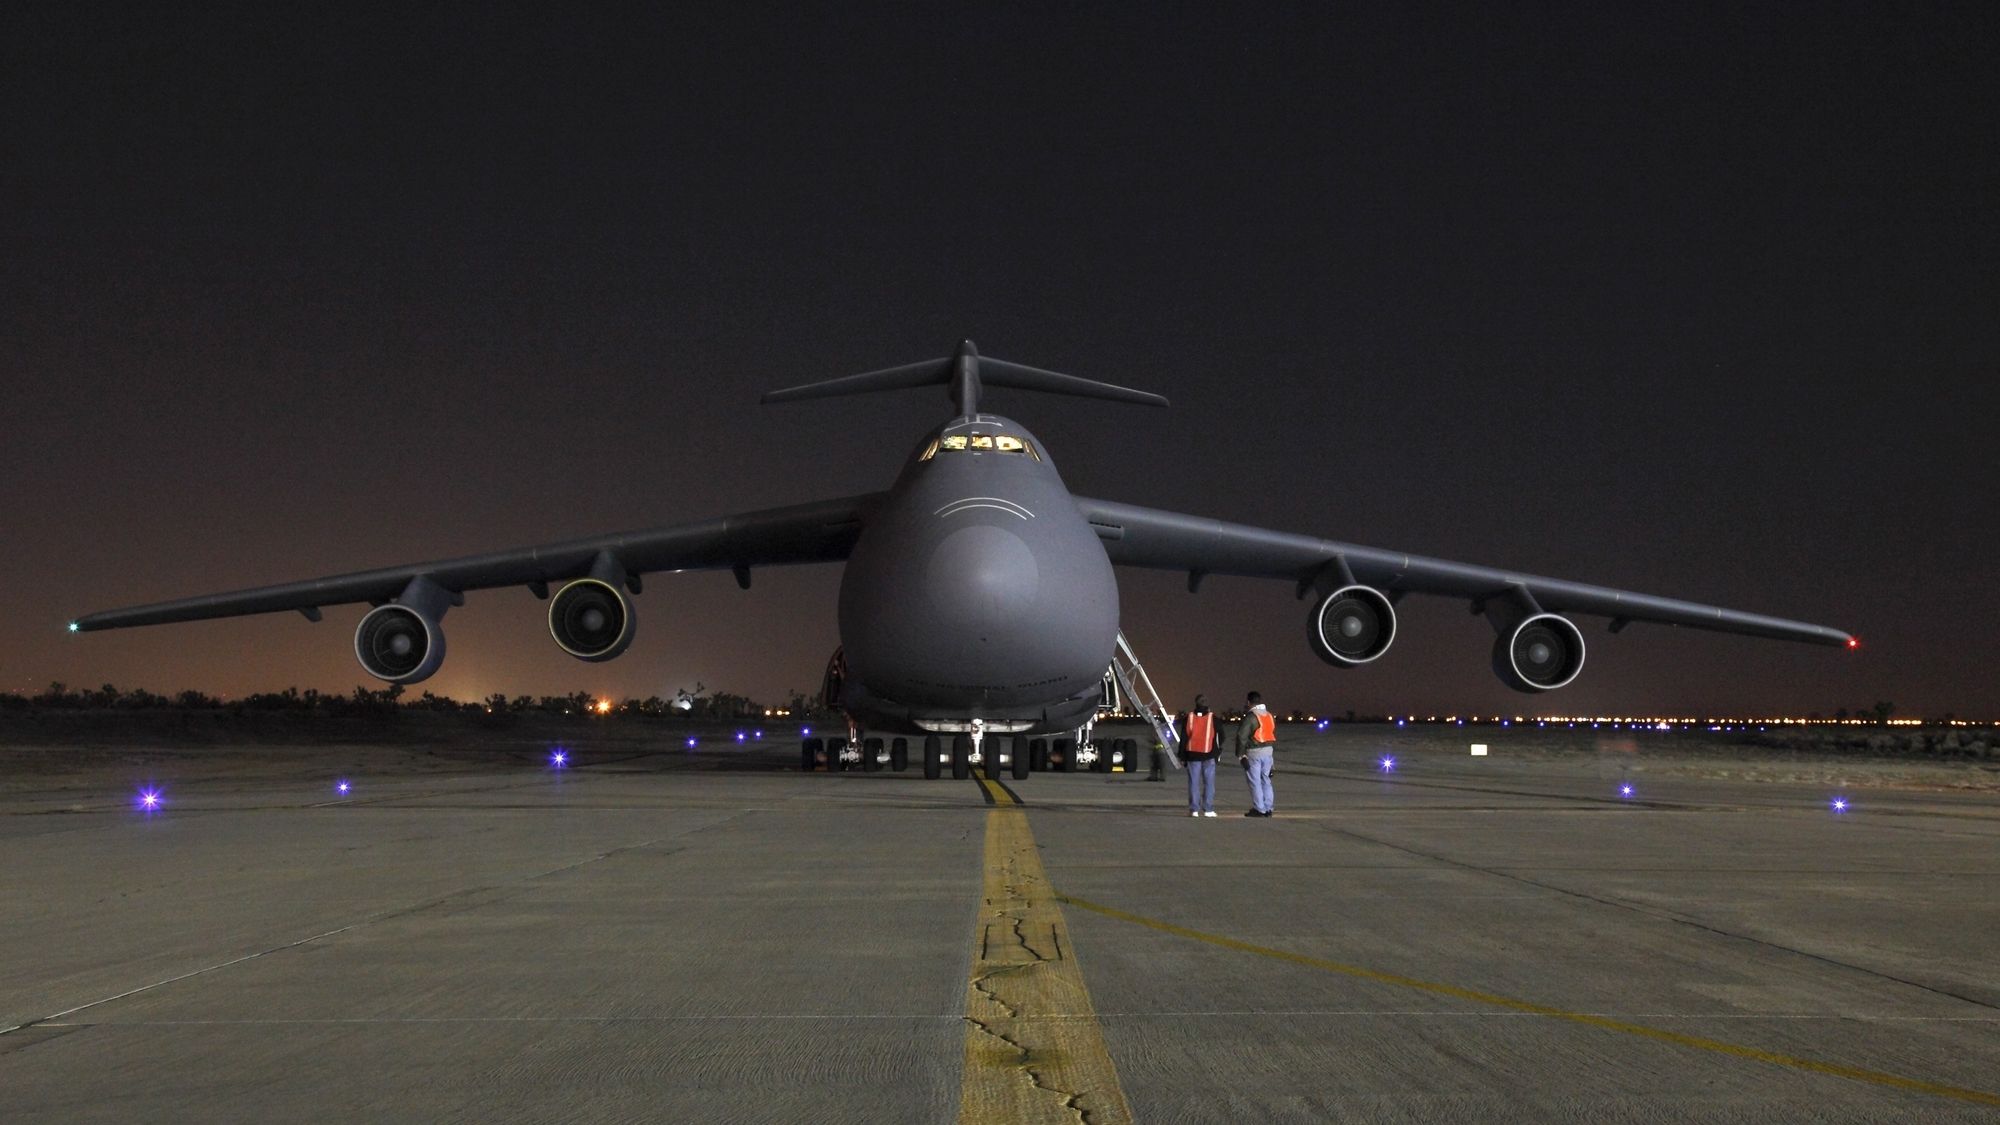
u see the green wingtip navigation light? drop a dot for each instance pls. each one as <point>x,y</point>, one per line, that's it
<point>72,627</point>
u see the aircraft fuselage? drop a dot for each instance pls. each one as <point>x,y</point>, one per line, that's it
<point>977,591</point>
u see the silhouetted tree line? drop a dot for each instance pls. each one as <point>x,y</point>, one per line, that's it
<point>387,700</point>
<point>60,697</point>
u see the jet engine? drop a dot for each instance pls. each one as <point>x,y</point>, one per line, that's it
<point>1541,653</point>
<point>591,619</point>
<point>1353,625</point>
<point>399,644</point>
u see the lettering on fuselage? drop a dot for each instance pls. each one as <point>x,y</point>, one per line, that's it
<point>989,687</point>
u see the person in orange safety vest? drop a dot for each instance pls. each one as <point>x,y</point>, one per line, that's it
<point>1200,739</point>
<point>1256,738</point>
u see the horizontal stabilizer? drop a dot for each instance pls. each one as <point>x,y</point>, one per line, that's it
<point>965,372</point>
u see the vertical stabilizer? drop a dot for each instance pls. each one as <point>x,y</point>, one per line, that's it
<point>965,379</point>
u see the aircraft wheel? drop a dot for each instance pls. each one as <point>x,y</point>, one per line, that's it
<point>1064,750</point>
<point>809,754</point>
<point>1018,751</point>
<point>899,754</point>
<point>1103,762</point>
<point>961,757</point>
<point>992,758</point>
<point>833,748</point>
<point>933,747</point>
<point>871,754</point>
<point>1130,748</point>
<point>1038,754</point>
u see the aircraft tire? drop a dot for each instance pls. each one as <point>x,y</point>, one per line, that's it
<point>1021,756</point>
<point>961,757</point>
<point>1066,748</point>
<point>899,754</point>
<point>992,762</point>
<point>871,755</point>
<point>809,754</point>
<point>1038,754</point>
<point>933,747</point>
<point>1103,762</point>
<point>833,748</point>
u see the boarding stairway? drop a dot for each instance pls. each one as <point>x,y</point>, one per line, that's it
<point>1137,690</point>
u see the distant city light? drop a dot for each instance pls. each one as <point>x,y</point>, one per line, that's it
<point>604,706</point>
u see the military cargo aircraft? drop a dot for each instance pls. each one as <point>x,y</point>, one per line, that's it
<point>978,598</point>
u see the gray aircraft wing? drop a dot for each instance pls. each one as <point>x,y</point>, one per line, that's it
<point>819,532</point>
<point>1149,537</point>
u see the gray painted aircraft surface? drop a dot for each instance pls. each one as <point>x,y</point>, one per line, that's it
<point>977,587</point>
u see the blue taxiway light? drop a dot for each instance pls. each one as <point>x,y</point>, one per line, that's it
<point>1840,804</point>
<point>149,800</point>
<point>739,736</point>
<point>559,759</point>
<point>690,743</point>
<point>1625,790</point>
<point>342,787</point>
<point>759,734</point>
<point>1388,764</point>
<point>806,733</point>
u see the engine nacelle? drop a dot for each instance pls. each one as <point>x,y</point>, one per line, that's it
<point>1541,653</point>
<point>591,619</point>
<point>399,644</point>
<point>1353,625</point>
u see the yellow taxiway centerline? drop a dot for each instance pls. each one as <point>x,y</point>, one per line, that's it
<point>1033,1049</point>
<point>1838,1070</point>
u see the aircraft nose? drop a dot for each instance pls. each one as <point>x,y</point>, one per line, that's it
<point>983,576</point>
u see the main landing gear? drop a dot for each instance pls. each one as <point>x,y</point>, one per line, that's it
<point>995,755</point>
<point>854,753</point>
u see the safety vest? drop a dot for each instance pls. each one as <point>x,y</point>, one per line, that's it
<point>1200,732</point>
<point>1267,729</point>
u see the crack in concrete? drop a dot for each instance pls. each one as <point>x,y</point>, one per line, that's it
<point>1025,1061</point>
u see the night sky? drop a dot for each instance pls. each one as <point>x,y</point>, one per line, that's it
<point>1699,305</point>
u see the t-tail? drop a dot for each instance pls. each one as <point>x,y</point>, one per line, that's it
<point>964,371</point>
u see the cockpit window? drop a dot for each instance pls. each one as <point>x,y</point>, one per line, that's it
<point>977,442</point>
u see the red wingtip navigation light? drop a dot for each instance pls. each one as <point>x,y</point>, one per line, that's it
<point>1853,643</point>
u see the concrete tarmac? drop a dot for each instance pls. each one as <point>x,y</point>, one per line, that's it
<point>657,934</point>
